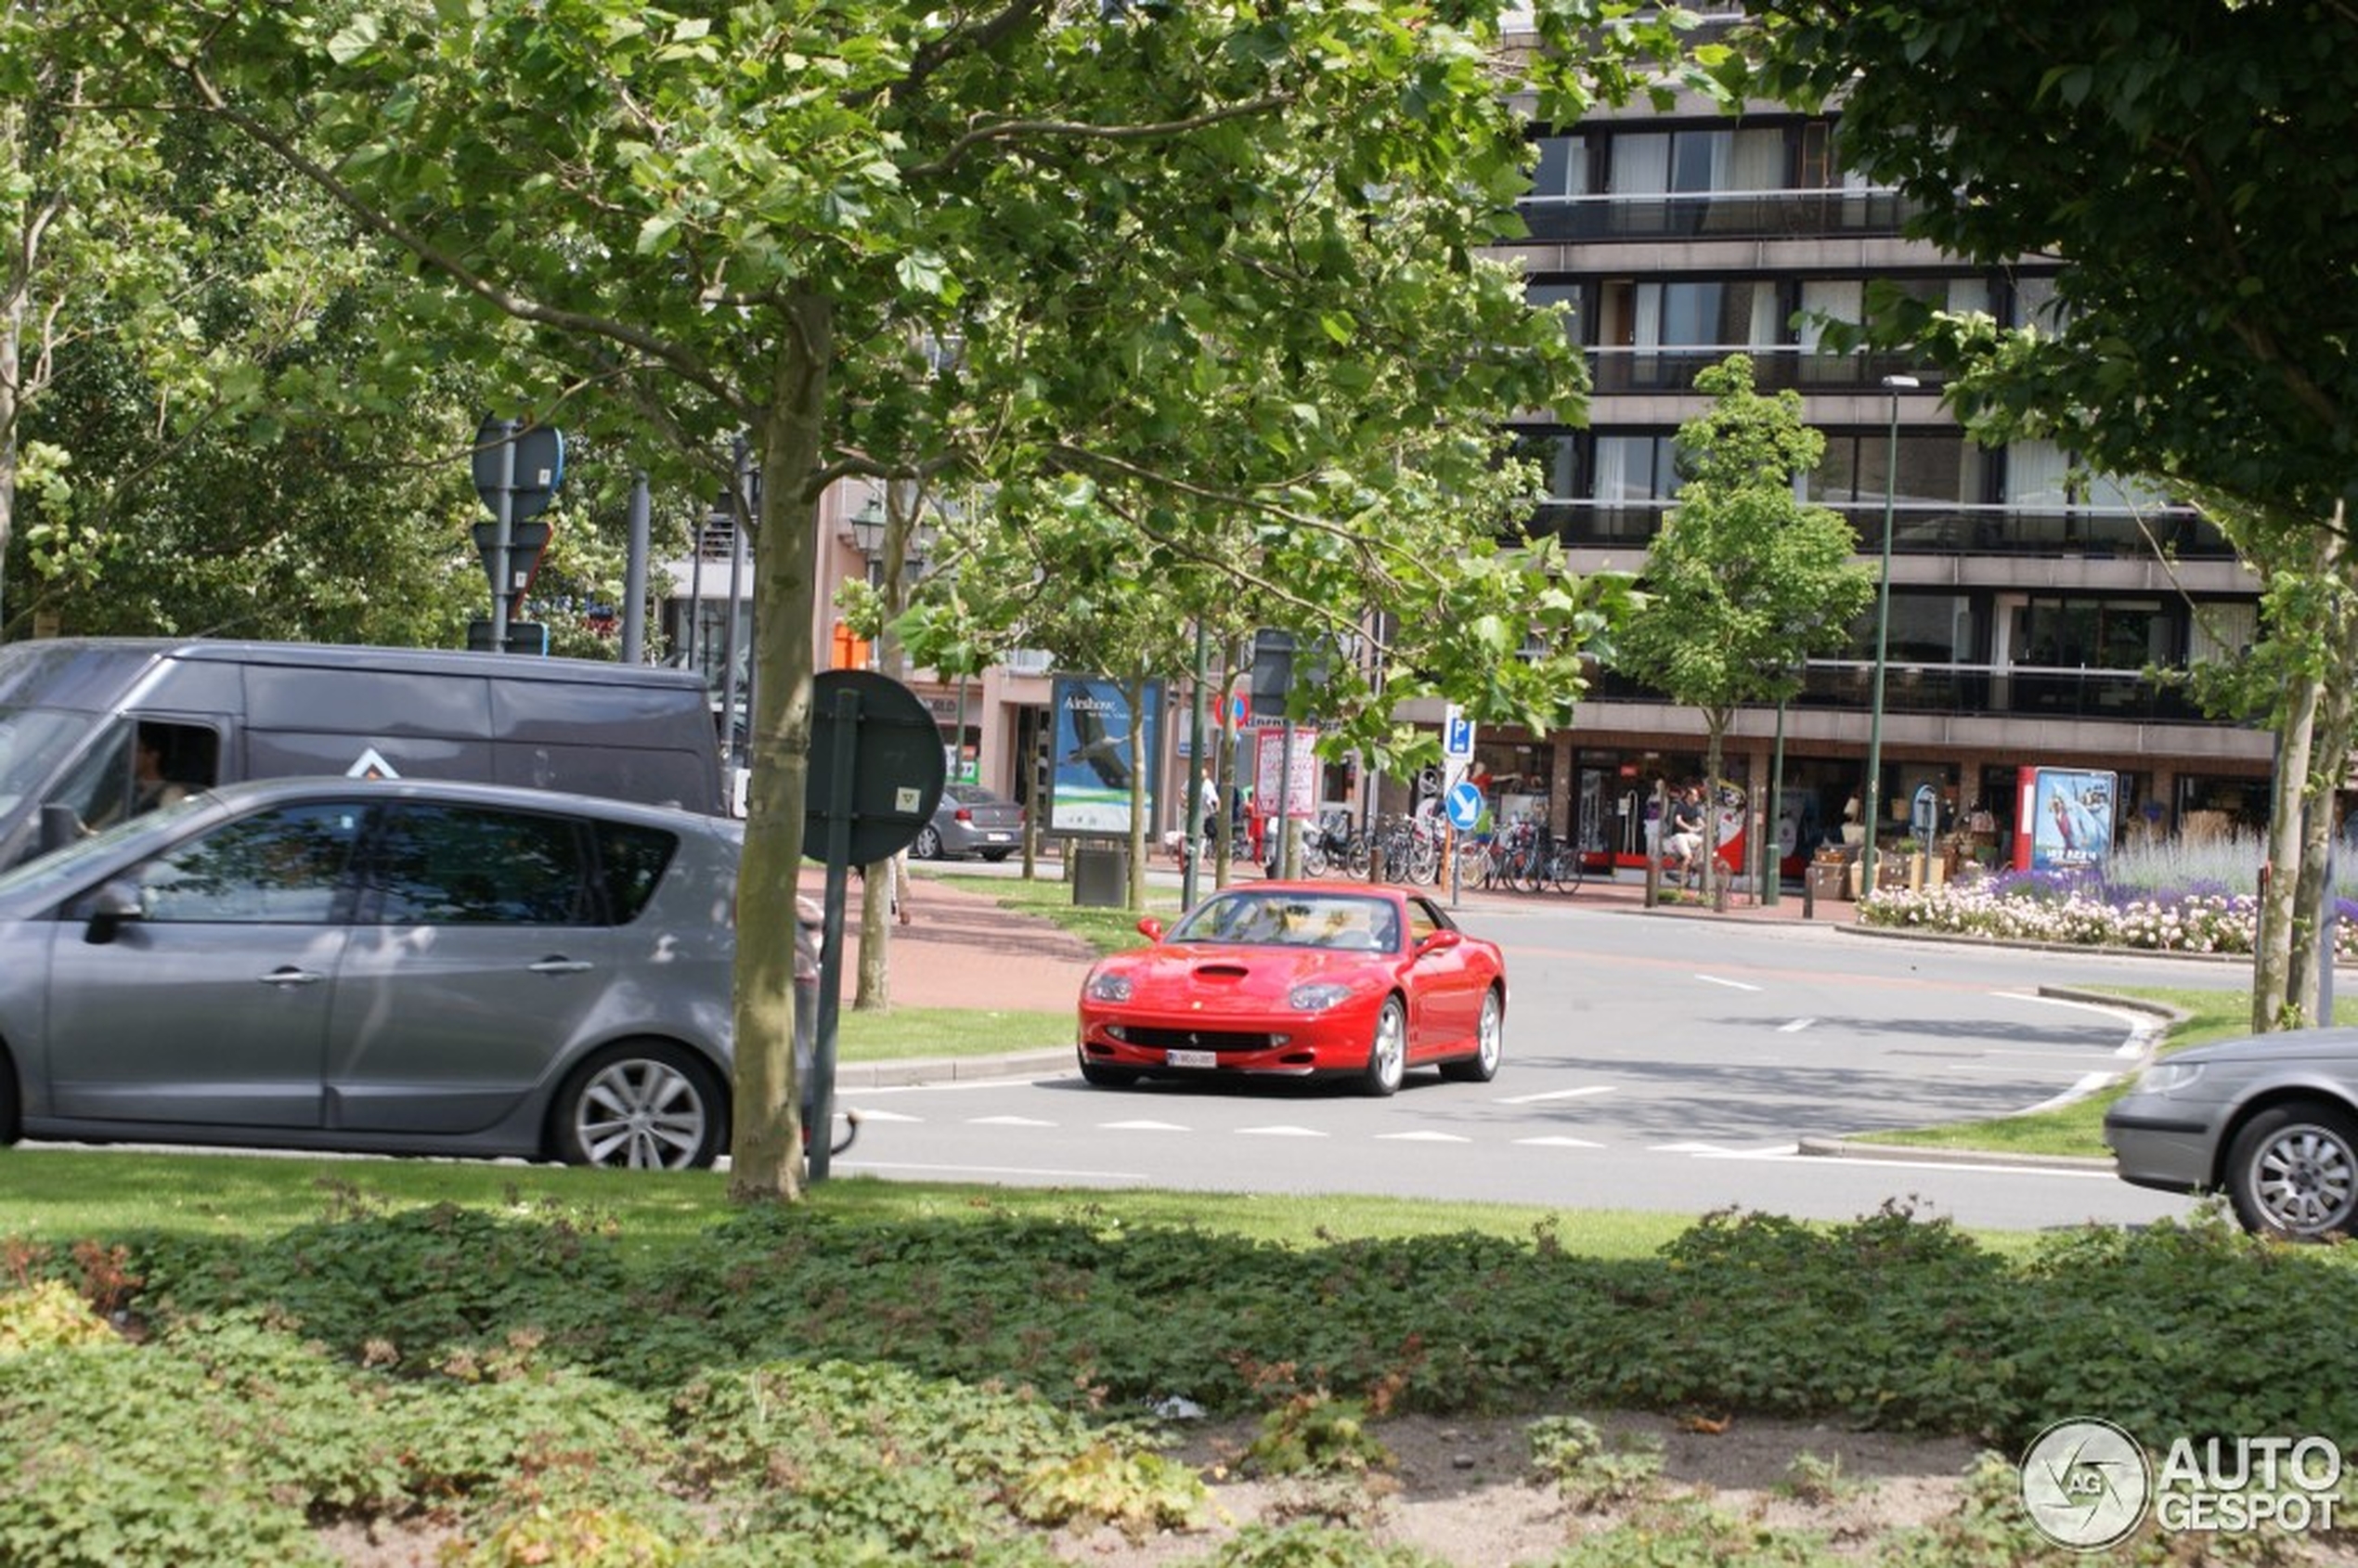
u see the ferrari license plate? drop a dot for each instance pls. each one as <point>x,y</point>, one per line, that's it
<point>1191,1058</point>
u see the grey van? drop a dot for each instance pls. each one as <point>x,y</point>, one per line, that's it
<point>95,730</point>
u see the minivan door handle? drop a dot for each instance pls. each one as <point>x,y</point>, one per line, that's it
<point>287,974</point>
<point>560,966</point>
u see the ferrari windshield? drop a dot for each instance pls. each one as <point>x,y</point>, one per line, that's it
<point>1293,918</point>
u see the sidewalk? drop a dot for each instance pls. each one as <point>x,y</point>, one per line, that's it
<point>961,950</point>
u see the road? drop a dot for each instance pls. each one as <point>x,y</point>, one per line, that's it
<point>1653,1064</point>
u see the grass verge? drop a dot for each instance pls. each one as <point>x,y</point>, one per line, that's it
<point>2078,1129</point>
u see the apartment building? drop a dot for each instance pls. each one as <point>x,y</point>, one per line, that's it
<point>2028,596</point>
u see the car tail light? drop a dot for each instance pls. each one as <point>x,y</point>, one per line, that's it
<point>963,815</point>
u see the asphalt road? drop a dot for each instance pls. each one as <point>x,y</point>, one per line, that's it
<point>1653,1064</point>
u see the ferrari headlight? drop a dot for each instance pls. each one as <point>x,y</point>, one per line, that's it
<point>2168,1078</point>
<point>1108,987</point>
<point>1316,996</point>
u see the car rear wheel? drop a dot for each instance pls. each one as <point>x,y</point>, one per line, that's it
<point>996,856</point>
<point>1388,1052</point>
<point>1490,1039</point>
<point>646,1107</point>
<point>928,845</point>
<point>1105,1077</point>
<point>2292,1172</point>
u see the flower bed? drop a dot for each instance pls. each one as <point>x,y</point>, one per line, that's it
<point>2086,914</point>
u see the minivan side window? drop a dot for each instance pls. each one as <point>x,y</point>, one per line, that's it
<point>630,861</point>
<point>463,866</point>
<point>280,867</point>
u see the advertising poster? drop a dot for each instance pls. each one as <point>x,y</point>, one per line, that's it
<point>2065,818</point>
<point>1269,779</point>
<point>1089,776</point>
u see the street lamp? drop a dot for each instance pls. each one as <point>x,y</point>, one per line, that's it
<point>1872,794</point>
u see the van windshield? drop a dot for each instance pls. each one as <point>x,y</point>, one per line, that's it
<point>32,742</point>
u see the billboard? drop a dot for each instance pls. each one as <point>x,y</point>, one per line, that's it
<point>2064,818</point>
<point>1089,773</point>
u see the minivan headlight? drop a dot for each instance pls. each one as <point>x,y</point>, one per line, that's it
<point>2168,1078</point>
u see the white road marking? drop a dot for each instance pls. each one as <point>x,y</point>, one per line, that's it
<point>1795,1026</point>
<point>1282,1131</point>
<point>1795,1158</point>
<point>995,1171</point>
<point>1422,1138</point>
<point>868,1115</point>
<point>1556,1143</point>
<point>1732,985</point>
<point>1006,1121</point>
<point>1141,1127</point>
<point>1557,1095</point>
<point>2089,1084</point>
<point>1708,1152</point>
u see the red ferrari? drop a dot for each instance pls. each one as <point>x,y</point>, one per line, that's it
<point>1297,979</point>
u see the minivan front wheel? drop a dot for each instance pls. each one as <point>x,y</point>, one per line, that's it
<point>645,1107</point>
<point>2292,1172</point>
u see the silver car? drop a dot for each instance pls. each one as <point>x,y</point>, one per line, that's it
<point>393,967</point>
<point>970,820</point>
<point>2271,1121</point>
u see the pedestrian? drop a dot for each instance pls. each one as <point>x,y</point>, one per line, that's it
<point>1207,804</point>
<point>1684,844</point>
<point>809,934</point>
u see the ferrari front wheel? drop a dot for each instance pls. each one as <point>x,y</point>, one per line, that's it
<point>1388,1052</point>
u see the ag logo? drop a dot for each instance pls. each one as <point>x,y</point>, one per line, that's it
<point>2085,1482</point>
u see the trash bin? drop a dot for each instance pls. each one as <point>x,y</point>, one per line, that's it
<point>1101,875</point>
<point>1828,880</point>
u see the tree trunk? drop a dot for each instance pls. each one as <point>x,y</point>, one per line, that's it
<point>1714,746</point>
<point>2335,728</point>
<point>766,1134</point>
<point>880,888</point>
<point>2274,999</point>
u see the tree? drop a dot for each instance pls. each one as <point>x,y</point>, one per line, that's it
<point>2191,162</point>
<point>1744,581</point>
<point>765,217</point>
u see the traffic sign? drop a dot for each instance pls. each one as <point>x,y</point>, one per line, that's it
<point>1465,805</point>
<point>1457,738</point>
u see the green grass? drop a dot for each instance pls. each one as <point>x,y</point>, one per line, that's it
<point>1108,930</point>
<point>2078,1129</point>
<point>56,1195</point>
<point>902,1032</point>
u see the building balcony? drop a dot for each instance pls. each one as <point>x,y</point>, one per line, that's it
<point>1931,528</point>
<point>1965,690</point>
<point>1719,214</point>
<point>1775,368</point>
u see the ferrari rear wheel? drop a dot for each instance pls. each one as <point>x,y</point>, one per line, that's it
<point>1490,1037</point>
<point>1388,1052</point>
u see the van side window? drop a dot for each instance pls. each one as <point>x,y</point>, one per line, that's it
<point>631,863</point>
<point>140,767</point>
<point>454,865</point>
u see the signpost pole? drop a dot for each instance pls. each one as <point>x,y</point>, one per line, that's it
<point>818,1130</point>
<point>504,551</point>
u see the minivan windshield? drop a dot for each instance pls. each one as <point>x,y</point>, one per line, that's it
<point>47,874</point>
<point>32,741</point>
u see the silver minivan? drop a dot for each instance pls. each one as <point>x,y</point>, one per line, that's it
<point>398,967</point>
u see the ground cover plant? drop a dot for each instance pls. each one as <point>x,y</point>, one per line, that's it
<point>527,1383</point>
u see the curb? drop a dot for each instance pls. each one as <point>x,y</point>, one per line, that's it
<point>950,1069</point>
<point>1844,1148</point>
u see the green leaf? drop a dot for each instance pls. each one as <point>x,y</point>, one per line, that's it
<point>659,235</point>
<point>359,36</point>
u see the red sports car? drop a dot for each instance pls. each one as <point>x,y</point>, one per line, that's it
<point>1299,978</point>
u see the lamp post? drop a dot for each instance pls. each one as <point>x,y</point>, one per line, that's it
<point>1872,794</point>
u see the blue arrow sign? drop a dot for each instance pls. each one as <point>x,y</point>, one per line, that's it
<point>1464,806</point>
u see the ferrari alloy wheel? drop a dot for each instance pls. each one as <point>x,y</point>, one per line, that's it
<point>1388,1052</point>
<point>1490,1042</point>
